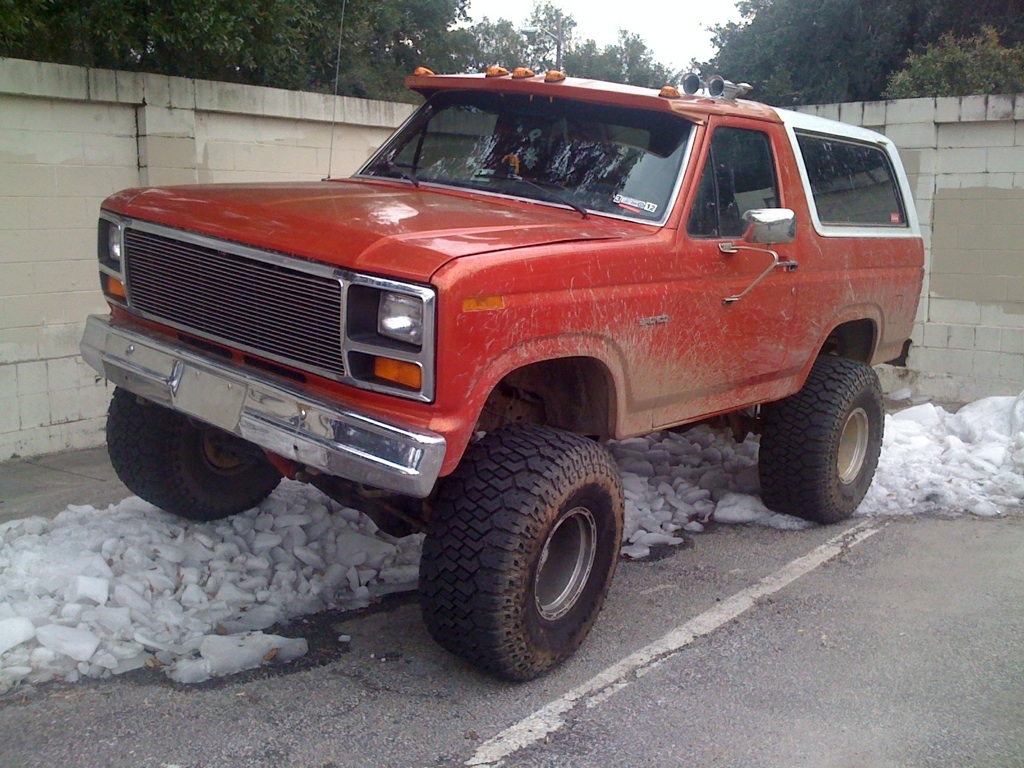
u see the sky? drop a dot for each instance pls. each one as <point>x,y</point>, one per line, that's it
<point>675,31</point>
<point>94,593</point>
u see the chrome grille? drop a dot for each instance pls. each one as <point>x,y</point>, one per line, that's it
<point>265,307</point>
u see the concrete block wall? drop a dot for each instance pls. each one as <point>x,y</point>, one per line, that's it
<point>69,137</point>
<point>965,159</point>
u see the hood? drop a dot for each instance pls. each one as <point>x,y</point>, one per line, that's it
<point>375,227</point>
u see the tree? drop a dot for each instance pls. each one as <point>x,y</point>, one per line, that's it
<point>960,67</point>
<point>629,61</point>
<point>261,42</point>
<point>806,51</point>
<point>282,43</point>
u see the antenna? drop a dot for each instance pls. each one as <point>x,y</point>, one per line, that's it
<point>334,103</point>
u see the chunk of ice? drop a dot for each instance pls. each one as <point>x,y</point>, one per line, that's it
<point>78,644</point>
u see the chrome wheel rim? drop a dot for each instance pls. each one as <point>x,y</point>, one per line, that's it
<point>853,445</point>
<point>565,563</point>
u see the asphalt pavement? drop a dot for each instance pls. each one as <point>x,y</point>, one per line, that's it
<point>45,485</point>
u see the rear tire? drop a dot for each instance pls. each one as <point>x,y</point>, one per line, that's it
<point>820,447</point>
<point>190,469</point>
<point>521,550</point>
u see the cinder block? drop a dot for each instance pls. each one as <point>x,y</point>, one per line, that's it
<point>953,311</point>
<point>10,421</point>
<point>912,135</point>
<point>182,93</point>
<point>961,161</point>
<point>986,365</point>
<point>8,380</point>
<point>64,406</point>
<point>964,135</point>
<point>131,87</point>
<point>59,212</point>
<point>217,156</point>
<point>167,152</point>
<point>874,113</point>
<point>34,78</point>
<point>61,339</point>
<point>999,107</point>
<point>156,90</point>
<point>917,334</point>
<point>1011,367</point>
<point>961,337</point>
<point>18,280</point>
<point>34,410</point>
<point>157,177</point>
<point>987,339</point>
<point>973,108</point>
<point>947,109</point>
<point>910,111</point>
<point>120,151</point>
<point>102,85</point>
<point>936,335</point>
<point>62,374</point>
<point>27,180</point>
<point>1004,160</point>
<point>18,344</point>
<point>31,377</point>
<point>85,433</point>
<point>229,97</point>
<point>164,121</point>
<point>1011,341</point>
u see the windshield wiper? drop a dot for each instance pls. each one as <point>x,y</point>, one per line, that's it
<point>408,176</point>
<point>552,195</point>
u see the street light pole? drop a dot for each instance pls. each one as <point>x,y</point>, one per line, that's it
<point>557,36</point>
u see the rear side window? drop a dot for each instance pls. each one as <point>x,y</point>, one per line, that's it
<point>852,183</point>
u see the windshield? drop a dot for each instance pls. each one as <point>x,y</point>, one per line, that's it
<point>594,157</point>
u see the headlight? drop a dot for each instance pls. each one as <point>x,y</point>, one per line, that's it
<point>389,336</point>
<point>110,250</point>
<point>114,248</point>
<point>400,317</point>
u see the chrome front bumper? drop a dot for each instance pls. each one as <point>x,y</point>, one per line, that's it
<point>279,417</point>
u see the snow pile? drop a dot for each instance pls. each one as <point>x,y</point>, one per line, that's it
<point>936,462</point>
<point>100,592</point>
<point>676,482</point>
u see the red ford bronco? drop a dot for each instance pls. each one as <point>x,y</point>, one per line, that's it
<point>529,266</point>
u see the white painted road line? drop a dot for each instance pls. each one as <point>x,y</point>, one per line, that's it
<point>613,679</point>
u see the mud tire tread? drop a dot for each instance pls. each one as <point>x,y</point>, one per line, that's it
<point>800,442</point>
<point>156,453</point>
<point>484,541</point>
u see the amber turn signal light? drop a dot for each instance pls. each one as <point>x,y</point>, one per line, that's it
<point>113,287</point>
<point>398,371</point>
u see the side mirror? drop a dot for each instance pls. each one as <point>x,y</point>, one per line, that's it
<point>769,225</point>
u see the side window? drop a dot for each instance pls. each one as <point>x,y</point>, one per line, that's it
<point>852,184</point>
<point>739,174</point>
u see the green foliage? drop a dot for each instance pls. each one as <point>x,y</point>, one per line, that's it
<point>819,51</point>
<point>961,67</point>
<point>295,43</point>
<point>629,61</point>
<point>281,43</point>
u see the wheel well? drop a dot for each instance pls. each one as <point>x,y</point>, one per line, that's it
<point>575,394</point>
<point>854,340</point>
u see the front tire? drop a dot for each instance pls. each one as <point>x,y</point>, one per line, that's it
<point>820,447</point>
<point>521,550</point>
<point>192,470</point>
